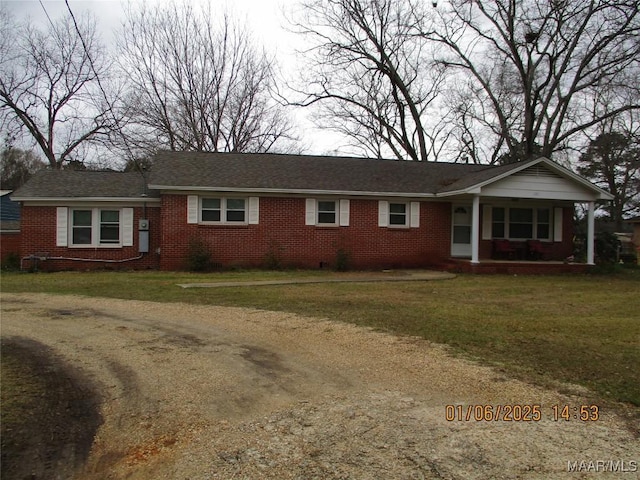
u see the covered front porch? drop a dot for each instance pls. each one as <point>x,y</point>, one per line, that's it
<point>523,221</point>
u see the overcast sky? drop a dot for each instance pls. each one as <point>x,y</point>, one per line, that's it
<point>265,18</point>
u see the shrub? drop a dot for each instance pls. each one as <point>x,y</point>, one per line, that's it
<point>199,256</point>
<point>11,262</point>
<point>273,257</point>
<point>607,247</point>
<point>342,260</point>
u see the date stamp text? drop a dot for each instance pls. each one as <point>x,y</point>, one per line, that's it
<point>521,413</point>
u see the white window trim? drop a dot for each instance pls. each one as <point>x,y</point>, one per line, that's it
<point>251,210</point>
<point>64,232</point>
<point>407,215</point>
<point>336,213</point>
<point>555,223</point>
<point>412,214</point>
<point>312,212</point>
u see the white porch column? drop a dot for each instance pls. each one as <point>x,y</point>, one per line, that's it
<point>475,230</point>
<point>591,227</point>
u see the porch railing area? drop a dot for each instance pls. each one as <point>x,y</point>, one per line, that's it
<point>533,250</point>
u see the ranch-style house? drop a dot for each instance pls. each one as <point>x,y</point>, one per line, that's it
<point>252,210</point>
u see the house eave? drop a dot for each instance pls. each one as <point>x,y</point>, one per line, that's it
<point>65,200</point>
<point>600,194</point>
<point>292,191</point>
<point>456,193</point>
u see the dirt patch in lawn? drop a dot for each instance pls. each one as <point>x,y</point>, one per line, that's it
<point>50,413</point>
<point>210,392</point>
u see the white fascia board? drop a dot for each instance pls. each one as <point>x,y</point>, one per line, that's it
<point>473,190</point>
<point>290,191</point>
<point>72,200</point>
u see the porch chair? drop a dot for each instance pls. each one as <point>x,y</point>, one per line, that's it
<point>503,249</point>
<point>537,250</point>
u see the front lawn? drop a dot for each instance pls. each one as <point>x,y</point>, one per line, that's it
<point>581,329</point>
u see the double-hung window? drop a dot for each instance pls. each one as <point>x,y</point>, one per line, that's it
<point>223,210</point>
<point>235,210</point>
<point>398,214</point>
<point>543,224</point>
<point>95,227</point>
<point>498,223</point>
<point>521,223</point>
<point>211,209</point>
<point>326,212</point>
<point>109,227</point>
<point>81,227</point>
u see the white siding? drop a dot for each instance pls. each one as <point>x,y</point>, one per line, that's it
<point>538,184</point>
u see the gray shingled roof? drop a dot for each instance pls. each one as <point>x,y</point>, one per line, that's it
<point>81,184</point>
<point>267,173</point>
<point>481,176</point>
<point>184,170</point>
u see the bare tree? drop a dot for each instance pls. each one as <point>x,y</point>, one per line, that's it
<point>49,86</point>
<point>533,67</point>
<point>198,84</point>
<point>371,76</point>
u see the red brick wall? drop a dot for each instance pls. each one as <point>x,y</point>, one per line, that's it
<point>38,237</point>
<point>9,244</point>
<point>282,236</point>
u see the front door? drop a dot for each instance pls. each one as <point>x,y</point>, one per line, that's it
<point>461,231</point>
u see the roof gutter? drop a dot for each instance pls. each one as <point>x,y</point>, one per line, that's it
<point>297,191</point>
<point>87,199</point>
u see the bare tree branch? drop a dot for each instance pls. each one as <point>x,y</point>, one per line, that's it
<point>198,85</point>
<point>538,63</point>
<point>49,86</point>
<point>372,78</point>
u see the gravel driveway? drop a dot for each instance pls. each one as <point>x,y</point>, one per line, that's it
<point>194,392</point>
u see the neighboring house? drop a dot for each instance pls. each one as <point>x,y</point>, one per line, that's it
<point>9,226</point>
<point>305,211</point>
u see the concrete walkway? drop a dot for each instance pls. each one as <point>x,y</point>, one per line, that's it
<point>360,277</point>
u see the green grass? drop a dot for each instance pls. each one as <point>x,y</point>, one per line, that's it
<point>582,329</point>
